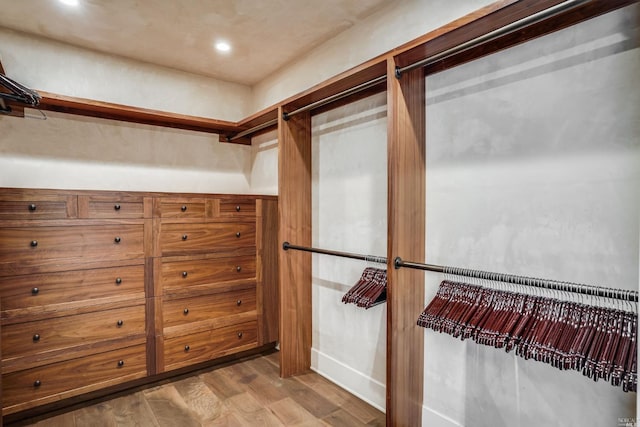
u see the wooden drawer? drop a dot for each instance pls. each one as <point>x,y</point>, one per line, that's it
<point>110,205</point>
<point>106,242</point>
<point>69,378</point>
<point>182,209</point>
<point>65,333</point>
<point>205,237</point>
<point>40,295</point>
<point>181,274</point>
<point>189,349</point>
<point>31,204</point>
<point>202,308</point>
<point>238,207</point>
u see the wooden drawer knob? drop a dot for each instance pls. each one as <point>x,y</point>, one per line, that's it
<point>35,291</point>
<point>187,348</point>
<point>239,302</point>
<point>185,311</point>
<point>184,237</point>
<point>116,207</point>
<point>36,338</point>
<point>34,243</point>
<point>238,234</point>
<point>120,363</point>
<point>37,383</point>
<point>120,323</point>
<point>184,274</point>
<point>238,208</point>
<point>32,207</point>
<point>183,208</point>
<point>117,239</point>
<point>239,335</point>
<point>118,280</point>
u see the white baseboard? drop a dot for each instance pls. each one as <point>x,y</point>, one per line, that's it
<point>355,382</point>
<point>436,419</point>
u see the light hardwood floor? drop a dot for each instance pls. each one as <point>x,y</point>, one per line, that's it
<point>246,393</point>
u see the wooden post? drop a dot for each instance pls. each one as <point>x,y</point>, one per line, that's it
<point>406,238</point>
<point>294,213</point>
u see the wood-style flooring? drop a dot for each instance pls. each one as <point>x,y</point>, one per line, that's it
<point>246,393</point>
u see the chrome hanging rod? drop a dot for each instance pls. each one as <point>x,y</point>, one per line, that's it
<point>337,96</point>
<point>499,32</point>
<point>611,293</point>
<point>371,258</point>
<point>252,130</point>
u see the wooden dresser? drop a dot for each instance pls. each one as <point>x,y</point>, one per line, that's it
<point>101,288</point>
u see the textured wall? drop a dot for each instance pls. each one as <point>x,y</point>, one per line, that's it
<point>534,168</point>
<point>349,189</point>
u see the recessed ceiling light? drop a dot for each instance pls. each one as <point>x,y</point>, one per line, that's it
<point>69,2</point>
<point>223,46</point>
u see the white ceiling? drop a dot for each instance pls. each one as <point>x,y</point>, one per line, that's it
<point>265,34</point>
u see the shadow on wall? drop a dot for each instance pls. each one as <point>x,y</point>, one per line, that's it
<point>91,140</point>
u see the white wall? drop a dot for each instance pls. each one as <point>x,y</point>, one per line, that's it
<point>349,189</point>
<point>533,168</point>
<point>76,152</point>
<point>399,22</point>
<point>51,66</point>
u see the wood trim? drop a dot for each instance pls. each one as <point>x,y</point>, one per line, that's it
<point>125,113</point>
<point>269,248</point>
<point>294,212</point>
<point>405,238</point>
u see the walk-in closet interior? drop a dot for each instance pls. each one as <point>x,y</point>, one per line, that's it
<point>430,216</point>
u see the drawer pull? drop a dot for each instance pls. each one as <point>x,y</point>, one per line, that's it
<point>36,338</point>
<point>116,207</point>
<point>185,311</point>
<point>184,274</point>
<point>34,243</point>
<point>118,280</point>
<point>35,291</point>
<point>184,237</point>
<point>37,383</point>
<point>238,208</point>
<point>120,323</point>
<point>239,335</point>
<point>32,207</point>
<point>117,239</point>
<point>238,269</point>
<point>187,348</point>
<point>183,208</point>
<point>238,234</point>
<point>239,302</point>
<point>120,363</point>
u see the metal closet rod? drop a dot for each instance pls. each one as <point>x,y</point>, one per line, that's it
<point>371,258</point>
<point>509,28</point>
<point>499,32</point>
<point>599,291</point>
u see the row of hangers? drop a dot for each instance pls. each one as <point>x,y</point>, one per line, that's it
<point>370,290</point>
<point>599,341</point>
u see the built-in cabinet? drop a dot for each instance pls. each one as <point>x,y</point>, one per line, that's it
<point>101,288</point>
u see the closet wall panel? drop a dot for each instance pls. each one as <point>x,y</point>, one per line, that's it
<point>533,168</point>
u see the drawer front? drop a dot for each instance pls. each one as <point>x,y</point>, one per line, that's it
<point>34,208</point>
<point>189,349</point>
<point>205,237</point>
<point>95,242</point>
<point>46,292</point>
<point>115,209</point>
<point>27,339</point>
<point>32,387</point>
<point>182,209</point>
<point>238,207</point>
<point>181,274</point>
<point>197,309</point>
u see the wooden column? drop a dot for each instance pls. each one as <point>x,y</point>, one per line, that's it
<point>294,213</point>
<point>406,238</point>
